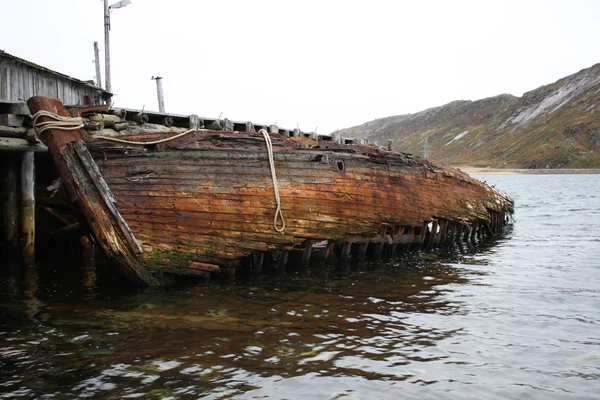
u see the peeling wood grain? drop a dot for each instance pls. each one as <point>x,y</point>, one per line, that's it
<point>207,198</point>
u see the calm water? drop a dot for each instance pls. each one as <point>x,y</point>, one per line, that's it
<point>519,319</point>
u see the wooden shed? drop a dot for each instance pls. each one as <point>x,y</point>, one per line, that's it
<point>21,79</point>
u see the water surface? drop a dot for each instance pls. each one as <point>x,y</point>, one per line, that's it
<point>517,319</point>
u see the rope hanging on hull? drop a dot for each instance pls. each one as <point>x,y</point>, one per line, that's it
<point>278,213</point>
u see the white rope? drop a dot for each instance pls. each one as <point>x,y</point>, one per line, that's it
<point>72,124</point>
<point>112,139</point>
<point>278,213</point>
<point>64,123</point>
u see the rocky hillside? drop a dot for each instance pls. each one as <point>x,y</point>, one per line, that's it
<point>554,126</point>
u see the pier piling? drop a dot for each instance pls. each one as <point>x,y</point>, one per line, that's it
<point>10,212</point>
<point>88,266</point>
<point>257,263</point>
<point>28,208</point>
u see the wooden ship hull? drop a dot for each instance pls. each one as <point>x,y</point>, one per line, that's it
<point>193,202</point>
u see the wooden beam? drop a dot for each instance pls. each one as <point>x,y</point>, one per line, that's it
<point>68,229</point>
<point>12,120</point>
<point>19,144</point>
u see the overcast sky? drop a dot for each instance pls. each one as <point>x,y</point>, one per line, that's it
<point>325,64</point>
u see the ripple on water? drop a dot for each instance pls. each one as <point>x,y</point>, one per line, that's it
<point>515,320</point>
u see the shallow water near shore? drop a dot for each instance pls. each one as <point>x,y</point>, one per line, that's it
<point>519,318</point>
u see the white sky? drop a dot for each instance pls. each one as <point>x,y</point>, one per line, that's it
<point>326,64</point>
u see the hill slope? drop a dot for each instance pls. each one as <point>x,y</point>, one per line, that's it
<point>554,126</point>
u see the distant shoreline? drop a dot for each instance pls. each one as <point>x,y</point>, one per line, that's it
<point>509,171</point>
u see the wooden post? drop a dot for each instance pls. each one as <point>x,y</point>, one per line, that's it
<point>344,253</point>
<point>443,229</point>
<point>306,253</point>
<point>257,263</point>
<point>410,231</point>
<point>432,235</point>
<point>393,251</point>
<point>10,213</point>
<point>498,225</point>
<point>88,267</point>
<point>474,226</point>
<point>31,304</point>
<point>450,235</point>
<point>466,233</point>
<point>377,252</point>
<point>330,257</point>
<point>282,262</point>
<point>28,208</point>
<point>362,251</point>
<point>459,235</point>
<point>387,252</point>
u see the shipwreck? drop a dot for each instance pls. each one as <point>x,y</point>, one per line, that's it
<point>170,194</point>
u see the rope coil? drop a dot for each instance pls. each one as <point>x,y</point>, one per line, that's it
<point>72,124</point>
<point>64,123</point>
<point>278,213</point>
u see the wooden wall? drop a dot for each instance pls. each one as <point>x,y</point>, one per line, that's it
<point>20,81</point>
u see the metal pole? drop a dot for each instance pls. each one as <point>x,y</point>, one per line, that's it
<point>159,93</point>
<point>107,46</point>
<point>97,61</point>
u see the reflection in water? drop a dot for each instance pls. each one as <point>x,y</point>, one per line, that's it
<point>518,319</point>
<point>30,287</point>
<point>228,339</point>
<point>88,268</point>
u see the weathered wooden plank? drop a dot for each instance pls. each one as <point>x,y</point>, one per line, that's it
<point>106,195</point>
<point>79,180</point>
<point>18,144</point>
<point>11,120</point>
